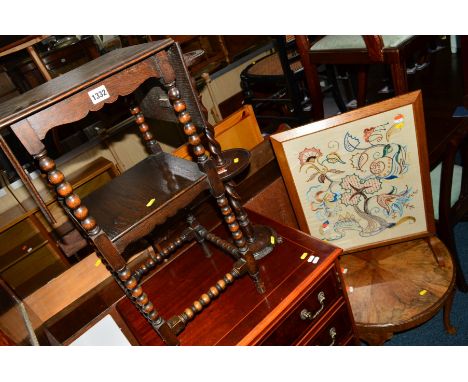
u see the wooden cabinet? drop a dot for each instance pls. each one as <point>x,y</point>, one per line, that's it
<point>305,302</point>
<point>320,307</point>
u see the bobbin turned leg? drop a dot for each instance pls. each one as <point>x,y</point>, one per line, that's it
<point>65,191</point>
<point>241,214</point>
<point>134,291</point>
<point>114,262</point>
<point>217,187</point>
<point>240,242</point>
<point>261,239</point>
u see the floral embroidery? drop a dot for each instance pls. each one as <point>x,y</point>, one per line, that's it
<point>364,199</point>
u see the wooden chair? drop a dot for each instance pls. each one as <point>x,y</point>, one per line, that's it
<point>275,82</point>
<point>361,51</point>
<point>449,182</point>
<point>275,85</point>
<point>131,205</point>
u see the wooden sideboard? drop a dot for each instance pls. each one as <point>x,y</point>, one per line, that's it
<point>305,303</point>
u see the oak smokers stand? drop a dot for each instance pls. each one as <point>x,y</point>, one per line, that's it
<point>133,204</point>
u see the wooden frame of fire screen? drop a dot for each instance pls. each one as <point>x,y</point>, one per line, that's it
<point>361,179</point>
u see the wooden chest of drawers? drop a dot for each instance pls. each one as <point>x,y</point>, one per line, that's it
<point>305,303</point>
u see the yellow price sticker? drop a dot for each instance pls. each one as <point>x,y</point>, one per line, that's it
<point>304,255</point>
<point>236,160</point>
<point>150,203</point>
<point>422,292</point>
<point>272,239</point>
<point>97,263</point>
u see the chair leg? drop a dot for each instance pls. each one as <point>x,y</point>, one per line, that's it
<point>248,94</point>
<point>312,80</point>
<point>399,78</point>
<point>362,85</point>
<point>316,97</point>
<point>446,234</point>
<point>338,97</point>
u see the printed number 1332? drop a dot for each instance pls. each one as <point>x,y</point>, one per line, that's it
<point>99,94</point>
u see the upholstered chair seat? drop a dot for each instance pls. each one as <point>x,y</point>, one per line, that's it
<point>334,42</point>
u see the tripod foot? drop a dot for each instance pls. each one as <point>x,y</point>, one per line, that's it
<point>265,240</point>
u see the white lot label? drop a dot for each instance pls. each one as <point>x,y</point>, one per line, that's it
<point>99,94</point>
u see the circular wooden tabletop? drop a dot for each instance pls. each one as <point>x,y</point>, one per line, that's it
<point>398,287</point>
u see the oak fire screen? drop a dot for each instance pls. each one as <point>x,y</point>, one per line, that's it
<point>361,179</point>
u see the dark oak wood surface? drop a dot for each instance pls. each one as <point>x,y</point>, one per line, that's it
<point>79,314</point>
<point>240,315</point>
<point>71,82</point>
<point>130,200</point>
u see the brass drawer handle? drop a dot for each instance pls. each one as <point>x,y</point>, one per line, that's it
<point>306,315</point>
<point>332,333</point>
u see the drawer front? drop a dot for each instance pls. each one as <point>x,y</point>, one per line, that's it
<point>336,331</point>
<point>33,271</point>
<point>14,238</point>
<point>307,312</point>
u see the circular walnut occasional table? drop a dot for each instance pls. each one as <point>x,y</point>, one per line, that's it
<point>398,287</point>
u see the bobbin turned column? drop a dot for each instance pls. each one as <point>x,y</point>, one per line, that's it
<point>113,262</point>
<point>140,299</point>
<point>145,132</point>
<point>65,191</point>
<point>234,198</point>
<point>217,187</point>
<point>230,163</point>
